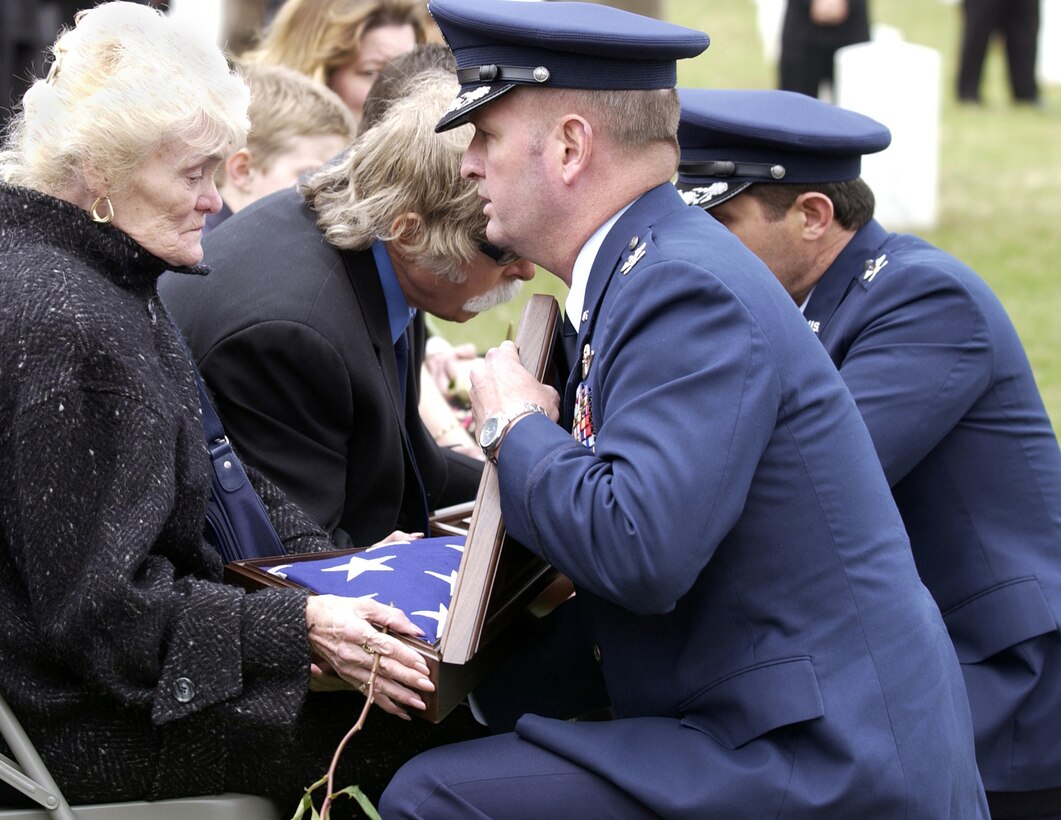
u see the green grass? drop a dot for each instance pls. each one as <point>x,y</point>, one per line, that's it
<point>1000,171</point>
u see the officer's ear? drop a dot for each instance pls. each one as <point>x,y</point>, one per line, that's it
<point>576,144</point>
<point>816,212</point>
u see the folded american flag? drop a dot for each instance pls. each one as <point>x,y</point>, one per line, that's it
<point>415,576</point>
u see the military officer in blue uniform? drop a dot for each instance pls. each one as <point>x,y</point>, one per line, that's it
<point>768,648</point>
<point>941,379</point>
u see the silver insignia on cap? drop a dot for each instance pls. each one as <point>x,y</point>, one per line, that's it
<point>777,171</point>
<point>541,74</point>
<point>701,196</point>
<point>468,97</point>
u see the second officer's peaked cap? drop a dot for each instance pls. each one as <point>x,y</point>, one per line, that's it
<point>732,139</point>
<point>501,44</point>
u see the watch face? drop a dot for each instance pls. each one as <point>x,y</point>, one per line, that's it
<point>489,432</point>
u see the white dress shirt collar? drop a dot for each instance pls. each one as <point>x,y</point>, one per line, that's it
<point>806,301</point>
<point>583,265</point>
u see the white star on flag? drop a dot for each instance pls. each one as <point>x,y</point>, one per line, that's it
<point>278,570</point>
<point>357,565</point>
<point>450,579</point>
<point>439,616</point>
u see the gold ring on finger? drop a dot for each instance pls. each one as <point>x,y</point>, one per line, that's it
<point>368,648</point>
<point>361,687</point>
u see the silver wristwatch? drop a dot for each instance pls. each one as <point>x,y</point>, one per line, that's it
<point>495,426</point>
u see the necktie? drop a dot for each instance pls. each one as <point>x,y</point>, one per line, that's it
<point>567,368</point>
<point>401,359</point>
<point>569,339</point>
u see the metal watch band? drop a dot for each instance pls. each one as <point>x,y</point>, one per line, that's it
<point>505,420</point>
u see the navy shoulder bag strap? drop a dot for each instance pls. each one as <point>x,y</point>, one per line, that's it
<point>236,521</point>
<point>237,524</point>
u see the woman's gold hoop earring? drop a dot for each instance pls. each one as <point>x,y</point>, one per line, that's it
<point>106,200</point>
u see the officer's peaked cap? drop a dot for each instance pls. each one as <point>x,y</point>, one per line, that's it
<point>732,139</point>
<point>500,44</point>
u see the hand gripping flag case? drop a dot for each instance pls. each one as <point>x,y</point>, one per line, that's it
<point>467,586</point>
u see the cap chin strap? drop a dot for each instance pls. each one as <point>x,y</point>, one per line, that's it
<point>503,74</point>
<point>723,169</point>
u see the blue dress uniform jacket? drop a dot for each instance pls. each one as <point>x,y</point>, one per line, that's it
<point>944,386</point>
<point>767,645</point>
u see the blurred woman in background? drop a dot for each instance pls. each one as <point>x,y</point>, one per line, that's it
<point>344,43</point>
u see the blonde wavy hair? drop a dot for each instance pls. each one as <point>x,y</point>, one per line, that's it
<point>400,166</point>
<point>316,37</point>
<point>124,81</point>
<point>286,105</point>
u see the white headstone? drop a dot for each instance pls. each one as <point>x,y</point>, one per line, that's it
<point>1050,42</point>
<point>771,14</point>
<point>898,84</point>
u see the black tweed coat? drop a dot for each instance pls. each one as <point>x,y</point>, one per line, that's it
<point>131,666</point>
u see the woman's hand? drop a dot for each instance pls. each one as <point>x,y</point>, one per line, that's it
<point>399,537</point>
<point>322,678</point>
<point>342,636</point>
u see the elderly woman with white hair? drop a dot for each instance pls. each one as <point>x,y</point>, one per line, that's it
<point>135,670</point>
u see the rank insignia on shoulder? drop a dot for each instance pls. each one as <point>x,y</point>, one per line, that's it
<point>633,259</point>
<point>873,267</point>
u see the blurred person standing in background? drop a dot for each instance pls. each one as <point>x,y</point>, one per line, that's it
<point>1017,23</point>
<point>811,33</point>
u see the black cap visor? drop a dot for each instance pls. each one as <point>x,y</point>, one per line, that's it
<point>707,195</point>
<point>468,99</point>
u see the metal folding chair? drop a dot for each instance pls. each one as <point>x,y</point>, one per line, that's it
<point>28,774</point>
